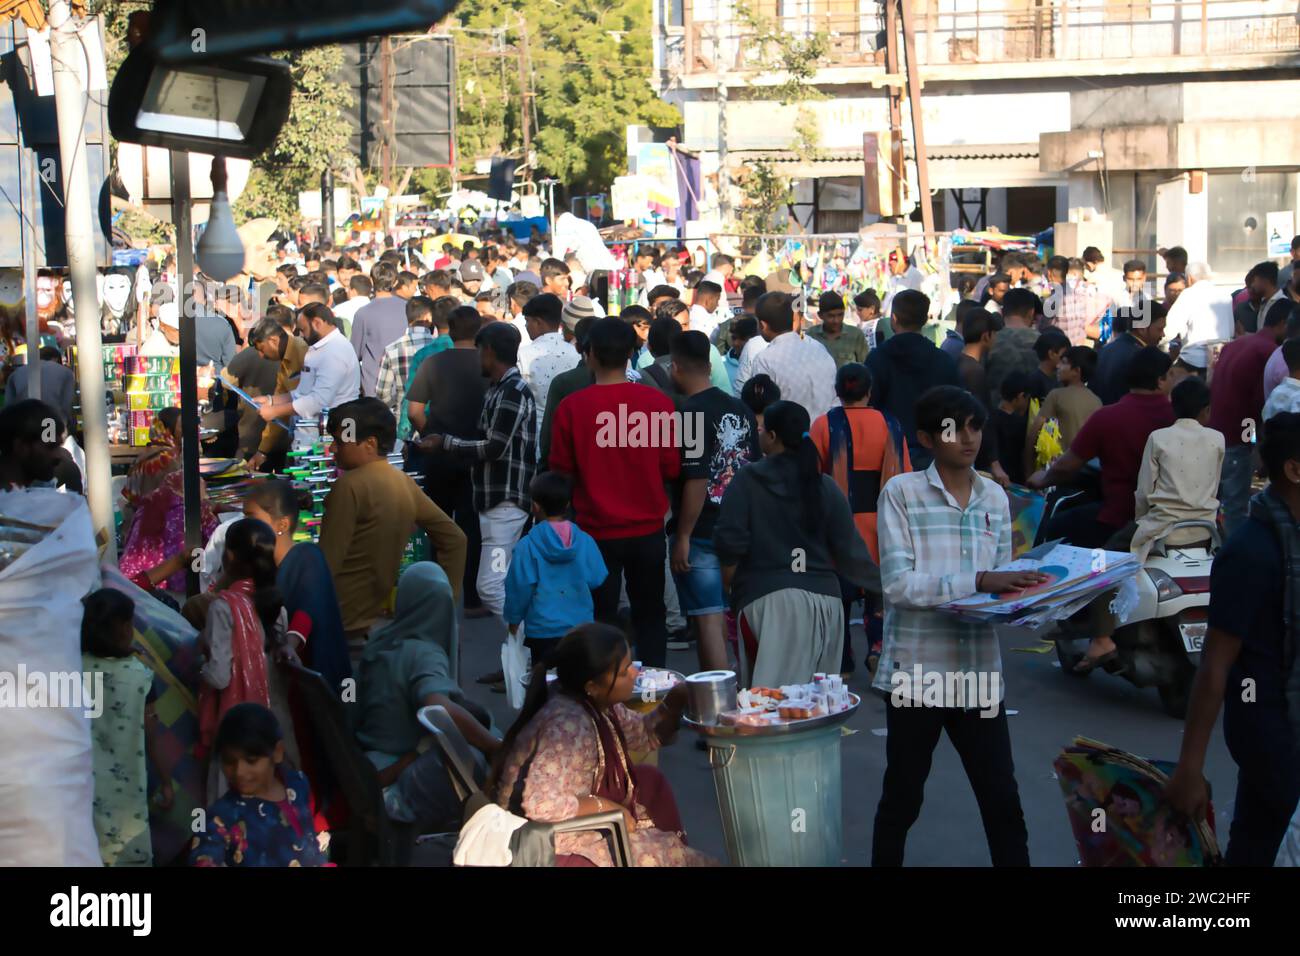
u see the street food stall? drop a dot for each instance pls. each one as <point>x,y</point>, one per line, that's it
<point>775,756</point>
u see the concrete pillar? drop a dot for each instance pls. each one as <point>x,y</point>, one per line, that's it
<point>1182,218</point>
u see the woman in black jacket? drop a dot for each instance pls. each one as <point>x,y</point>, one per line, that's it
<point>783,535</point>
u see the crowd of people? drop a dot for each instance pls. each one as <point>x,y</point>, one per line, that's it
<point>738,469</point>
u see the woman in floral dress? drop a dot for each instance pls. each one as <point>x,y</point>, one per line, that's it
<point>567,756</point>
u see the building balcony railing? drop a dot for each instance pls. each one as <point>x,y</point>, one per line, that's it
<point>957,32</point>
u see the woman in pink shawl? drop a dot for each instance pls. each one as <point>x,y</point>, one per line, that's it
<point>154,530</point>
<point>244,632</point>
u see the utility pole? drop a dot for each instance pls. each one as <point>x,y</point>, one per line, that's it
<point>895,111</point>
<point>327,204</point>
<point>386,145</point>
<point>182,218</point>
<point>70,103</point>
<point>525,94</point>
<point>914,107</point>
<point>724,175</point>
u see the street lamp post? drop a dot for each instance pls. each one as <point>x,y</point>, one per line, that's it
<point>70,103</point>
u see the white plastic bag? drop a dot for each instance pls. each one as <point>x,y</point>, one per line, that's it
<point>214,551</point>
<point>1288,854</point>
<point>46,780</point>
<point>515,660</point>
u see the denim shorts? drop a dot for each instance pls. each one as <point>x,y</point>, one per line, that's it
<point>699,590</point>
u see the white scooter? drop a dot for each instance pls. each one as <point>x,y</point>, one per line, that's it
<point>1160,642</point>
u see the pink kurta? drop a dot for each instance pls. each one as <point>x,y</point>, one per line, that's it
<point>557,760</point>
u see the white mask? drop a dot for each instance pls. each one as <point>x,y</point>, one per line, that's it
<point>117,290</point>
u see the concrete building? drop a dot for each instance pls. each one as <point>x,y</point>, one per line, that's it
<point>1167,117</point>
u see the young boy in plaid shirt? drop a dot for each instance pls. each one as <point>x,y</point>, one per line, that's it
<point>942,531</point>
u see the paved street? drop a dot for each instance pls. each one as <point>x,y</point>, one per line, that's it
<point>1051,710</point>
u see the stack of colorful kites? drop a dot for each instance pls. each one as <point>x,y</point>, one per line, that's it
<point>1116,806</point>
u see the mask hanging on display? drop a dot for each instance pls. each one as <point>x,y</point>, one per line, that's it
<point>48,299</point>
<point>117,300</point>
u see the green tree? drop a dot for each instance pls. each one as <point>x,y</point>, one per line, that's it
<point>793,60</point>
<point>767,193</point>
<point>314,138</point>
<point>591,73</point>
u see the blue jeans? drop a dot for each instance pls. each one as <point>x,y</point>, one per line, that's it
<point>699,590</point>
<point>1234,485</point>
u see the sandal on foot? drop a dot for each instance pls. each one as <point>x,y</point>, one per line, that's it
<point>1088,664</point>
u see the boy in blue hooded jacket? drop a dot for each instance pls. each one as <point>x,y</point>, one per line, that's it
<point>553,570</point>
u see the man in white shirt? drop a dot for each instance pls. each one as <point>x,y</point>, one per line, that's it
<point>801,368</point>
<point>745,363</point>
<point>721,270</point>
<point>998,287</point>
<point>1202,313</point>
<point>902,275</point>
<point>359,293</point>
<point>1106,278</point>
<point>647,267</point>
<point>549,353</point>
<point>330,376</point>
<point>704,310</point>
<point>724,267</point>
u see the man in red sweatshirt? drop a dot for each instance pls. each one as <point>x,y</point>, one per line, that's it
<point>621,442</point>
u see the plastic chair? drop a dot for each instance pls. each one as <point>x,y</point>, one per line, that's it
<point>372,837</point>
<point>459,761</point>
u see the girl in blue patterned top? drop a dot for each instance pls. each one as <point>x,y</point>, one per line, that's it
<point>265,818</point>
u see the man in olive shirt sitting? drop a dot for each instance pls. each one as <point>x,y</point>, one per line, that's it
<point>846,343</point>
<point>370,514</point>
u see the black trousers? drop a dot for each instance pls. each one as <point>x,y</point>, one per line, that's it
<point>1267,793</point>
<point>984,745</point>
<point>641,561</point>
<point>850,593</point>
<point>449,485</point>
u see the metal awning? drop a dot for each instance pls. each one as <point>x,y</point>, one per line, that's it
<point>951,167</point>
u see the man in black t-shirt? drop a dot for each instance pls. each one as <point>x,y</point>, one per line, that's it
<point>1243,667</point>
<point>718,436</point>
<point>445,397</point>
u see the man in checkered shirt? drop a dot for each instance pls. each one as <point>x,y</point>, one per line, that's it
<point>504,461</point>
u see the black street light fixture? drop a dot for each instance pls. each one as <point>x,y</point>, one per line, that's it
<point>231,107</point>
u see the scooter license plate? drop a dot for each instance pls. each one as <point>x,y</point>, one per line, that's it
<point>1193,636</point>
